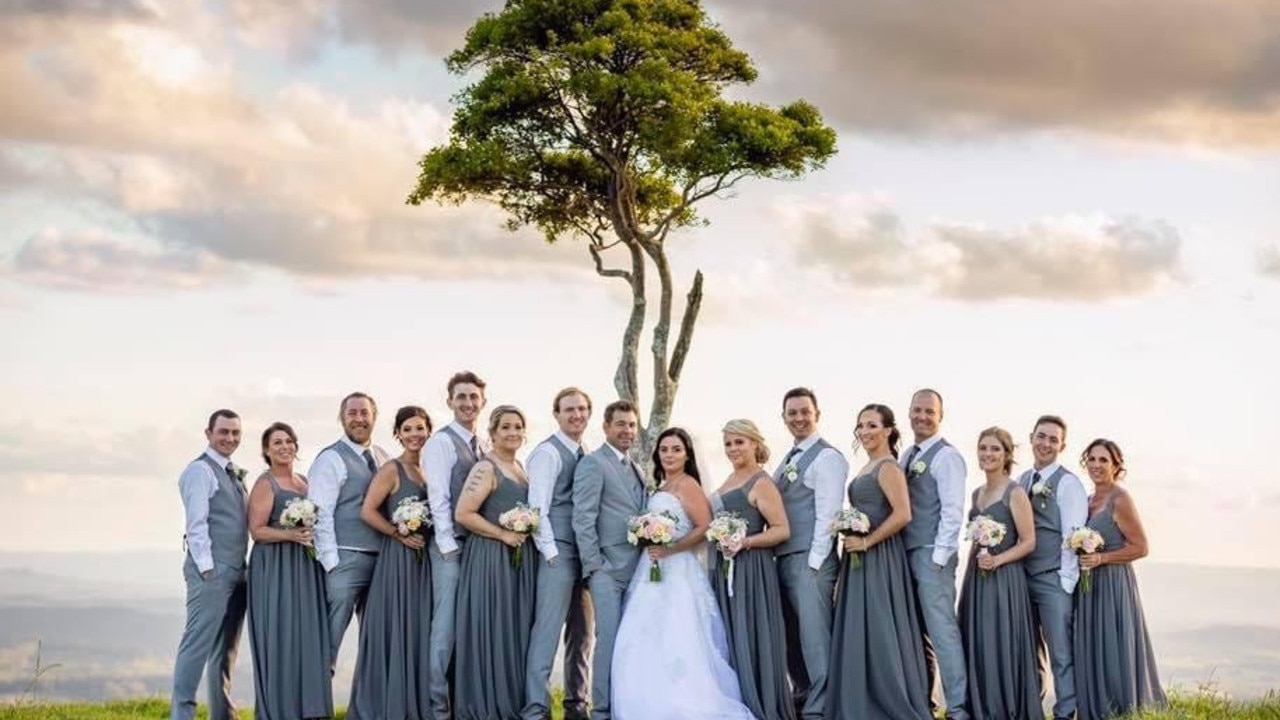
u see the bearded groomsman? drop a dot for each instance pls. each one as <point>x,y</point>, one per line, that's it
<point>337,483</point>
<point>812,480</point>
<point>217,538</point>
<point>1060,504</point>
<point>562,600</point>
<point>447,458</point>
<point>936,485</point>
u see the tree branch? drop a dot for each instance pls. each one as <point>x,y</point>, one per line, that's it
<point>692,305</point>
<point>607,272</point>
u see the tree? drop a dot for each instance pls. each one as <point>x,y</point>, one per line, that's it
<point>604,120</point>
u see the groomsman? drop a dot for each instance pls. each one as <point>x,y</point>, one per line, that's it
<point>936,484</point>
<point>346,547</point>
<point>607,491</point>
<point>1059,504</point>
<point>812,480</point>
<point>447,458</point>
<point>217,539</point>
<point>562,593</point>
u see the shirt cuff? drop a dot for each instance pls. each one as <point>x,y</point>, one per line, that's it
<point>551,553</point>
<point>446,543</point>
<point>942,556</point>
<point>329,561</point>
<point>817,558</point>
<point>204,564</point>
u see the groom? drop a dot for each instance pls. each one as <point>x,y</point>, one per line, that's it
<point>607,492</point>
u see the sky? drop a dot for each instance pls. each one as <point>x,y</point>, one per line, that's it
<point>1070,208</point>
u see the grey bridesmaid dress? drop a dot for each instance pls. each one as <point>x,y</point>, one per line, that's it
<point>392,678</point>
<point>877,657</point>
<point>1115,665</point>
<point>288,627</point>
<point>996,628</point>
<point>495,616</point>
<point>753,615</point>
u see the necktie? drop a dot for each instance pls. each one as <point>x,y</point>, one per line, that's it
<point>368,460</point>
<point>231,470</point>
<point>235,479</point>
<point>1035,478</point>
<point>579,454</point>
<point>915,450</point>
<point>790,454</point>
<point>475,448</point>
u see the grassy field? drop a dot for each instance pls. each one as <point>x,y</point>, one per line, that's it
<point>1183,707</point>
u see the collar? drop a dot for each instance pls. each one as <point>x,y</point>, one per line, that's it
<point>569,442</point>
<point>924,446</point>
<point>217,457</point>
<point>463,433</point>
<point>357,449</point>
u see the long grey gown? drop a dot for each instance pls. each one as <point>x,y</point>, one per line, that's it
<point>495,616</point>
<point>288,627</point>
<point>877,659</point>
<point>393,674</point>
<point>996,628</point>
<point>753,615</point>
<point>1115,665</point>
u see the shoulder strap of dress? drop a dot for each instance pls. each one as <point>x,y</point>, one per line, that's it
<point>1111,501</point>
<point>973,499</point>
<point>751,481</point>
<point>1008,490</point>
<point>275,486</point>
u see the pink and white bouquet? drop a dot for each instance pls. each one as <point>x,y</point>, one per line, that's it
<point>300,512</point>
<point>851,521</point>
<point>522,519</point>
<point>727,531</point>
<point>412,516</point>
<point>649,529</point>
<point>987,532</point>
<point>1084,541</point>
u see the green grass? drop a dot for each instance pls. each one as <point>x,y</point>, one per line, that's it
<point>1193,706</point>
<point>152,709</point>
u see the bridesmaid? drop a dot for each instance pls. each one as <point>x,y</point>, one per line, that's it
<point>995,604</point>
<point>288,615</point>
<point>753,613</point>
<point>392,678</point>
<point>495,598</point>
<point>1115,666</point>
<point>877,660</point>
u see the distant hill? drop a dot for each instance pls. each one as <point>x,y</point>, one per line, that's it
<point>113,621</point>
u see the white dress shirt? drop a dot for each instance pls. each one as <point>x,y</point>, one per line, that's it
<point>325,479</point>
<point>543,467</point>
<point>949,471</point>
<point>196,485</point>
<point>1073,512</point>
<point>438,458</point>
<point>826,476</point>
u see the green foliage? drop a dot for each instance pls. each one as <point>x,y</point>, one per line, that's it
<point>595,115</point>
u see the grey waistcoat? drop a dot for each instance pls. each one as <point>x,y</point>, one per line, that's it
<point>458,475</point>
<point>797,500</point>
<point>1047,554</point>
<point>228,518</point>
<point>561,511</point>
<point>350,530</point>
<point>926,505</point>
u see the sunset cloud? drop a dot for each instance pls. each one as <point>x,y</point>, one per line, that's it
<point>865,245</point>
<point>96,262</point>
<point>1175,70</point>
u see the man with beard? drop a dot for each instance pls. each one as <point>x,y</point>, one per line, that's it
<point>345,545</point>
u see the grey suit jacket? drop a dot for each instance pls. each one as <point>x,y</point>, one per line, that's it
<point>605,497</point>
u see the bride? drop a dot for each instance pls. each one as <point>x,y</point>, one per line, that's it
<point>671,658</point>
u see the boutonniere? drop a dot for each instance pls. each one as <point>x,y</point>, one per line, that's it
<point>650,487</point>
<point>1042,492</point>
<point>918,467</point>
<point>790,472</point>
<point>240,473</point>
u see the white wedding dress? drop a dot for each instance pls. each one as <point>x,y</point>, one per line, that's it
<point>671,657</point>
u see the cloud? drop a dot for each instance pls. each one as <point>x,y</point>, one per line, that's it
<point>863,243</point>
<point>152,124</point>
<point>95,261</point>
<point>1269,262</point>
<point>1178,70</point>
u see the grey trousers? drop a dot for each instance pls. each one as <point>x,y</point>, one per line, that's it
<point>608,587</point>
<point>806,614</point>
<point>444,593</point>
<point>347,587</point>
<point>1052,614</point>
<point>936,600</point>
<point>562,603</point>
<point>215,617</point>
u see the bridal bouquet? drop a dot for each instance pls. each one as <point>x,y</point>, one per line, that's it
<point>987,533</point>
<point>1084,541</point>
<point>412,517</point>
<point>300,512</point>
<point>851,521</point>
<point>652,528</point>
<point>727,531</point>
<point>522,519</point>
